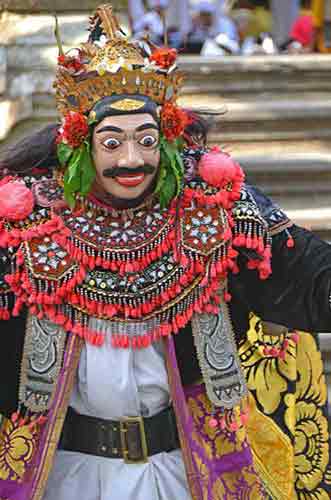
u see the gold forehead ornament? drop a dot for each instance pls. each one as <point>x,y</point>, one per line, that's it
<point>127,105</point>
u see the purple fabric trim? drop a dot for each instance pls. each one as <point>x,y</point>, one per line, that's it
<point>184,417</point>
<point>231,462</point>
<point>12,490</point>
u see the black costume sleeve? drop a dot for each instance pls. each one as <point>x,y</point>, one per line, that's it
<point>12,338</point>
<point>297,294</point>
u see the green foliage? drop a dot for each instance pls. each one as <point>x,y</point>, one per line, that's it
<point>88,171</point>
<point>171,171</point>
<point>63,153</point>
<point>80,173</point>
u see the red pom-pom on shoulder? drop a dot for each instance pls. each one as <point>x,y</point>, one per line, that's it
<point>218,169</point>
<point>16,201</point>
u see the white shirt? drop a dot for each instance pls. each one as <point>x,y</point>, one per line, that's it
<point>113,383</point>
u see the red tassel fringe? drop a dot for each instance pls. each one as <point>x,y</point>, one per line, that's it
<point>200,277</point>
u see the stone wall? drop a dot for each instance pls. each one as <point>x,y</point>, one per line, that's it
<point>54,5</point>
<point>28,56</point>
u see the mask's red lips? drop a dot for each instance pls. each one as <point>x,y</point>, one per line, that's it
<point>130,180</point>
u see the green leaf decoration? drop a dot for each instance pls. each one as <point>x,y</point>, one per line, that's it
<point>80,174</point>
<point>63,153</point>
<point>169,189</point>
<point>68,191</point>
<point>88,171</point>
<point>171,173</point>
<point>161,177</point>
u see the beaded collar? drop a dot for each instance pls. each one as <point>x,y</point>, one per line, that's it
<point>145,270</point>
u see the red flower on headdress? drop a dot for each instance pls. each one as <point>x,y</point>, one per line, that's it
<point>74,130</point>
<point>173,121</point>
<point>71,63</point>
<point>164,57</point>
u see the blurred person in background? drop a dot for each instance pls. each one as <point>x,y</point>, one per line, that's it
<point>209,20</point>
<point>254,22</point>
<point>301,36</point>
<point>202,24</point>
<point>171,15</point>
<point>150,22</point>
<point>251,25</point>
<point>223,36</point>
<point>260,20</point>
<point>321,10</point>
<point>284,13</point>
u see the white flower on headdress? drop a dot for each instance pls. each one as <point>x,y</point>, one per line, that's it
<point>60,133</point>
<point>103,67</point>
<point>125,65</point>
<point>74,53</point>
<point>172,68</point>
<point>149,66</point>
<point>101,42</point>
<point>143,45</point>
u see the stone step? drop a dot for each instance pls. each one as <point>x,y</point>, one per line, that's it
<point>279,98</point>
<point>296,181</point>
<point>261,130</point>
<point>236,73</point>
<point>317,220</point>
<point>243,122</point>
<point>213,75</point>
<point>308,116</point>
<point>225,78</point>
<point>245,75</point>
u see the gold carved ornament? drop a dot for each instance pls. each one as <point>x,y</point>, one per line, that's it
<point>113,66</point>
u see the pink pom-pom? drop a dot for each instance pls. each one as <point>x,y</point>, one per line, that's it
<point>16,201</point>
<point>218,169</point>
<point>212,423</point>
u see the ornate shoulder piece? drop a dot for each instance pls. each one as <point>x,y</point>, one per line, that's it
<point>276,219</point>
<point>214,178</point>
<point>16,200</point>
<point>251,232</point>
<point>48,193</point>
<point>26,213</point>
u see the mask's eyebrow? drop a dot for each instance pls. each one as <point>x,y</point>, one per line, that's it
<point>110,128</point>
<point>147,126</point>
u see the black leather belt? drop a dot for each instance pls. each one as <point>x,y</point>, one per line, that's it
<point>133,439</point>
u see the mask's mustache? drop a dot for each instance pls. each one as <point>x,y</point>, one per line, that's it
<point>123,171</point>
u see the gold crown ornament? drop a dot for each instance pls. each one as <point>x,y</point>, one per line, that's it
<point>111,64</point>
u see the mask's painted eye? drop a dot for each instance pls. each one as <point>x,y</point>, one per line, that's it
<point>148,141</point>
<point>111,143</point>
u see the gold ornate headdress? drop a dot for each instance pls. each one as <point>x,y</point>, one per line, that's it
<point>110,64</point>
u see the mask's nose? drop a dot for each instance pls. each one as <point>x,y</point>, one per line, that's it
<point>131,156</point>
